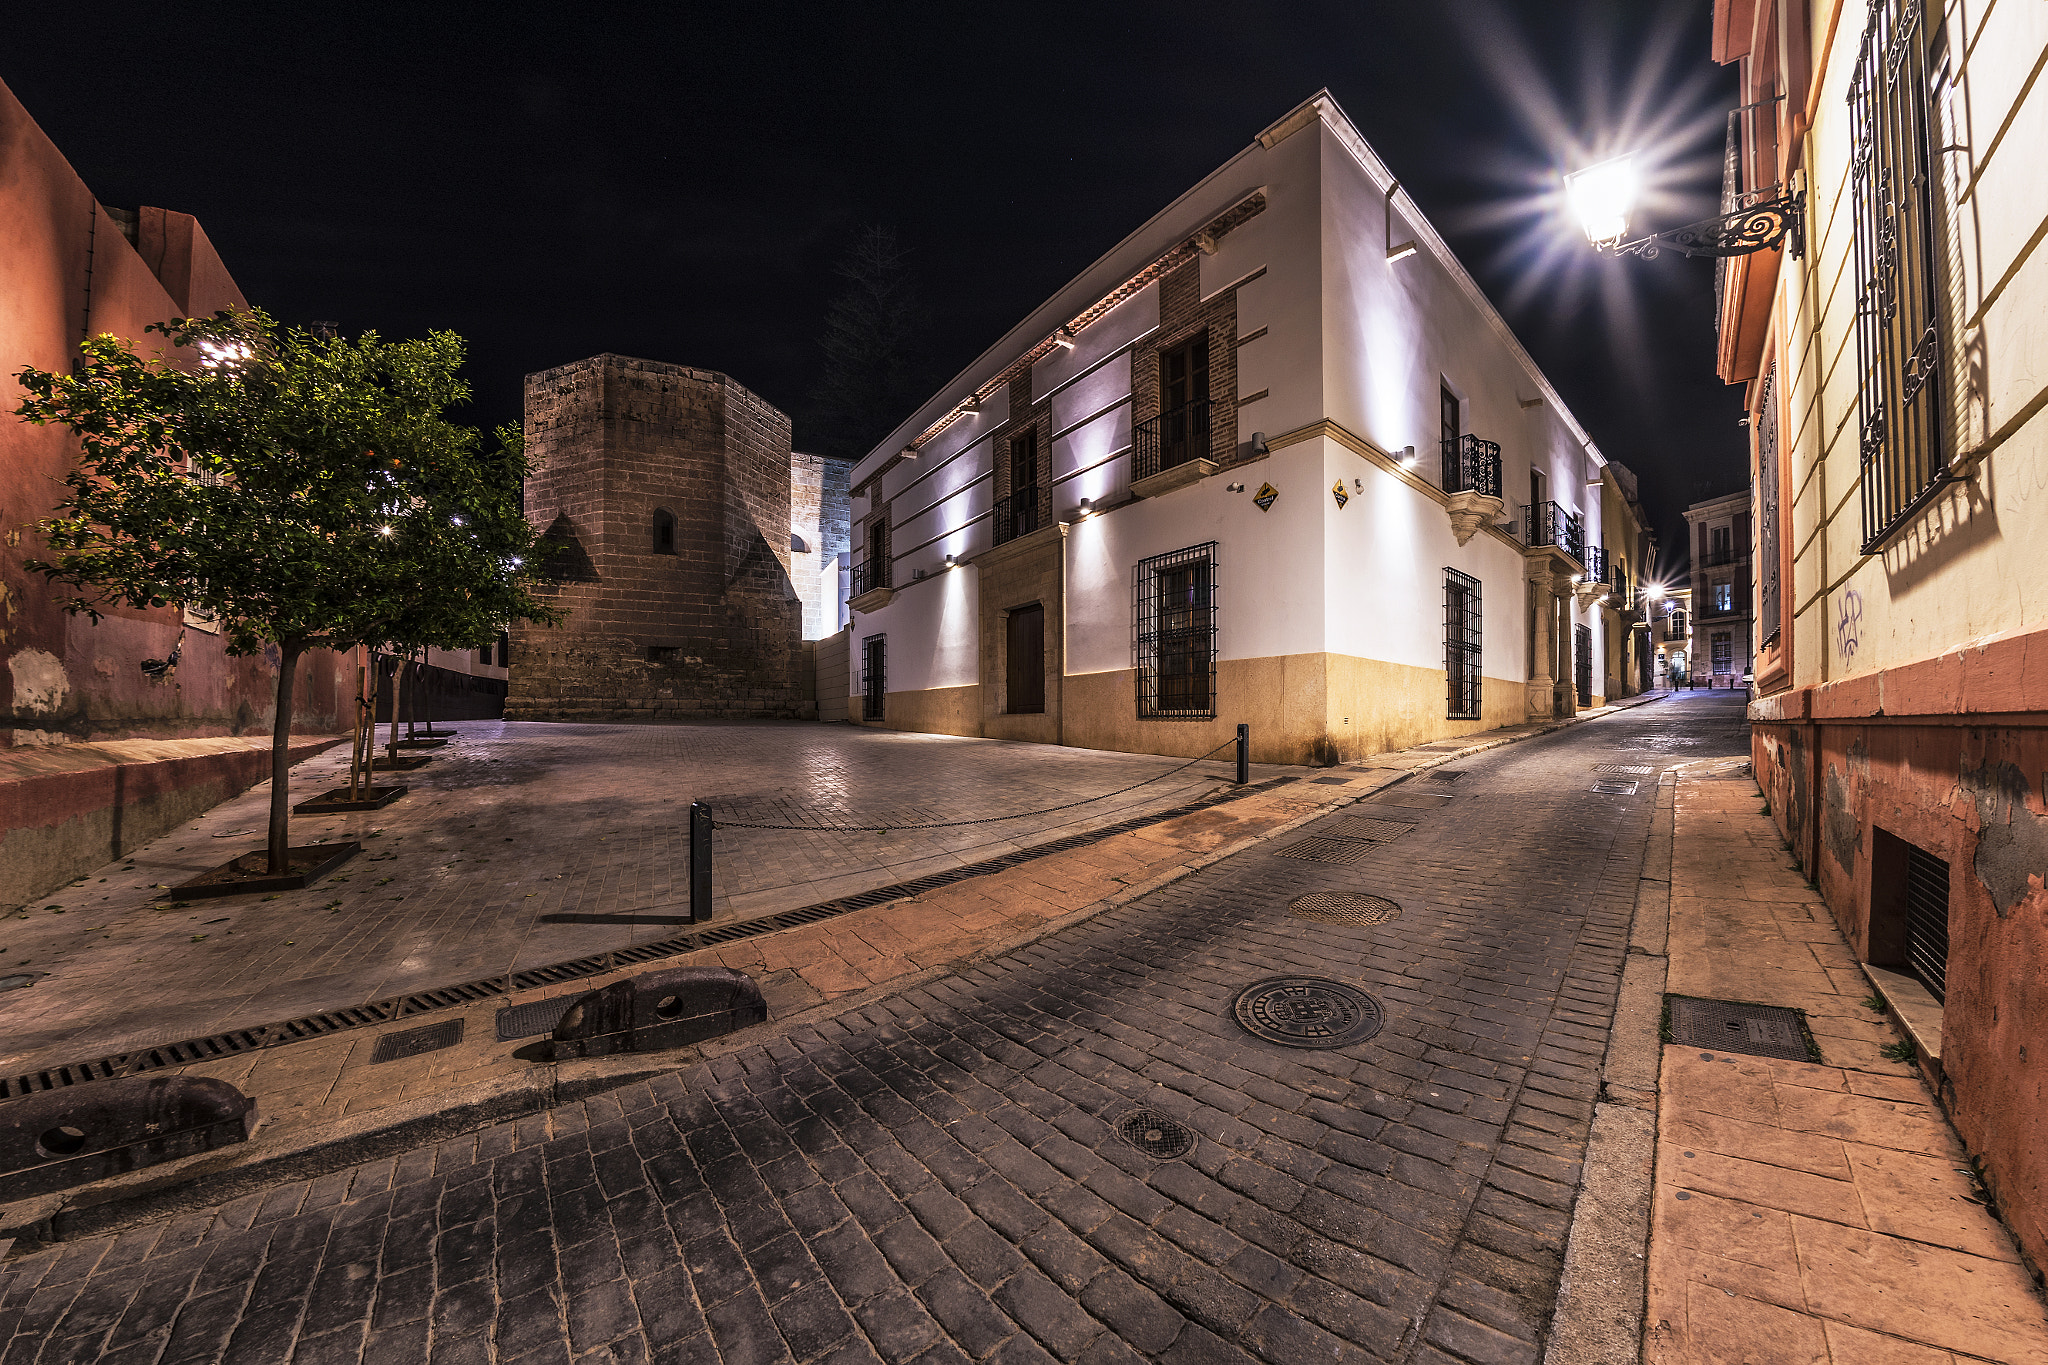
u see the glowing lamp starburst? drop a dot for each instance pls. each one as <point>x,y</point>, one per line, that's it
<point>1603,196</point>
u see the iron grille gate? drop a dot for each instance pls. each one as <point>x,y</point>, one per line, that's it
<point>1582,662</point>
<point>1173,625</point>
<point>1461,645</point>
<point>1899,350</point>
<point>1927,919</point>
<point>874,676</point>
<point>1767,511</point>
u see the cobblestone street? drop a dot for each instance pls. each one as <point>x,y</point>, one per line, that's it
<point>940,1176</point>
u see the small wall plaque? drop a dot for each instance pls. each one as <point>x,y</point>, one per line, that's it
<point>1266,496</point>
<point>1337,492</point>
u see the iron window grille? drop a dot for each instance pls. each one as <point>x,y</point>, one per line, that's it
<point>1904,454</point>
<point>1582,663</point>
<point>1471,466</point>
<point>1767,511</point>
<point>1927,920</point>
<point>874,676</point>
<point>1173,616</point>
<point>1461,645</point>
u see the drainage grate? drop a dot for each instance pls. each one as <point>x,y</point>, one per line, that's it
<point>1307,1011</point>
<point>1731,1026</point>
<point>413,1042</point>
<point>1378,831</point>
<point>1332,781</point>
<point>384,1011</point>
<point>1615,788</point>
<point>1159,1136</point>
<point>1626,769</point>
<point>1320,850</point>
<point>1413,800</point>
<point>533,1018</point>
<point>1344,907</point>
<point>1446,774</point>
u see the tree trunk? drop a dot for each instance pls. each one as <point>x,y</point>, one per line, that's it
<point>280,760</point>
<point>412,706</point>
<point>397,696</point>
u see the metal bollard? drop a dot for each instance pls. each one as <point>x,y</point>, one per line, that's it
<point>1244,754</point>
<point>700,863</point>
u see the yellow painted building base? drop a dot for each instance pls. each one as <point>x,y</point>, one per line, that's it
<point>1303,708</point>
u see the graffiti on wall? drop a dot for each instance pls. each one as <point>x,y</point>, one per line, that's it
<point>1849,624</point>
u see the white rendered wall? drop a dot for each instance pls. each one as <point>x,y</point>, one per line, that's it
<point>933,634</point>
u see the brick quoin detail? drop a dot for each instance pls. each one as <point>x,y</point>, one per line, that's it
<point>614,439</point>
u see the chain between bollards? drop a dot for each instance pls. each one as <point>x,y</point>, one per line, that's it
<point>1244,754</point>
<point>700,863</point>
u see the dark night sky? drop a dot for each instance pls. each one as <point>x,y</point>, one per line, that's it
<point>676,181</point>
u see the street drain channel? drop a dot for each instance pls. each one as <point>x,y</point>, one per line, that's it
<point>258,1036</point>
<point>1307,1011</point>
<point>1318,849</point>
<point>1624,769</point>
<point>1159,1136</point>
<point>1615,788</point>
<point>1734,1026</point>
<point>1378,831</point>
<point>1344,907</point>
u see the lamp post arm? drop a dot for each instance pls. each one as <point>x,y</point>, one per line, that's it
<point>1758,227</point>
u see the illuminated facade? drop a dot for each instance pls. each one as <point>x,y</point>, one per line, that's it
<point>1899,411</point>
<point>1273,459</point>
<point>1720,532</point>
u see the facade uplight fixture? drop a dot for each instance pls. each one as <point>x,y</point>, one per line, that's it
<point>1405,249</point>
<point>950,563</point>
<point>1064,339</point>
<point>1603,196</point>
<point>1087,508</point>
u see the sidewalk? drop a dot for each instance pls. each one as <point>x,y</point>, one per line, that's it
<point>1805,1213</point>
<point>325,1103</point>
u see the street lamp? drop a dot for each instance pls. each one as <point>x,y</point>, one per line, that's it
<point>1604,194</point>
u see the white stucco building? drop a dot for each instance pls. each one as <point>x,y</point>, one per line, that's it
<point>1272,459</point>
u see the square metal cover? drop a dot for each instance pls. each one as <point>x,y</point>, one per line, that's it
<point>1625,769</point>
<point>1730,1026</point>
<point>533,1018</point>
<point>1378,831</point>
<point>1615,788</point>
<point>1320,850</point>
<point>414,1042</point>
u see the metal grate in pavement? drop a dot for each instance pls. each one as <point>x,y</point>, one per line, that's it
<point>1344,907</point>
<point>1307,1011</point>
<point>414,1042</point>
<point>534,1017</point>
<point>1446,774</point>
<point>1158,1135</point>
<point>1413,800</point>
<point>1317,849</point>
<point>1615,788</point>
<point>1732,1026</point>
<point>235,1041</point>
<point>1378,831</point>
<point>1626,769</point>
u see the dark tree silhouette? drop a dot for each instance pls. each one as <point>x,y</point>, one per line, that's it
<point>871,378</point>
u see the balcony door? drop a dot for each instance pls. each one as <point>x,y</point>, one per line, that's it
<point>1184,401</point>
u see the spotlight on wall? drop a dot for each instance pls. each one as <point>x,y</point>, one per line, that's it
<point>971,402</point>
<point>1064,339</point>
<point>1087,508</point>
<point>1233,488</point>
<point>950,562</point>
<point>1406,455</point>
<point>1405,249</point>
<point>910,452</point>
<point>1358,485</point>
<point>1259,443</point>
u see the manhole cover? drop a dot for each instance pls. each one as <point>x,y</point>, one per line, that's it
<point>1344,907</point>
<point>1446,774</point>
<point>1379,831</point>
<point>533,1018</point>
<point>16,982</point>
<point>1414,800</point>
<point>1157,1135</point>
<point>1321,850</point>
<point>1726,1026</point>
<point>1615,788</point>
<point>1331,781</point>
<point>1307,1011</point>
<point>415,1041</point>
<point>1634,769</point>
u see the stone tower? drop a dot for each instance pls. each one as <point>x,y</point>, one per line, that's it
<point>666,491</point>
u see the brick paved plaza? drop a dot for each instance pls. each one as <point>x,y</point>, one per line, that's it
<point>522,845</point>
<point>936,1177</point>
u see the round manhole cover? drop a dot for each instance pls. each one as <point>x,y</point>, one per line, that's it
<point>1308,1011</point>
<point>1344,907</point>
<point>1157,1135</point>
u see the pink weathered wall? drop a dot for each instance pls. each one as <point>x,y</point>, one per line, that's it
<point>66,269</point>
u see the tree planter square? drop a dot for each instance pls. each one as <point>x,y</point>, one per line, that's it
<point>401,765</point>
<point>337,801</point>
<point>246,874</point>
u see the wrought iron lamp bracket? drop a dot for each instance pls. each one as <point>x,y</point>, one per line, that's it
<point>1756,227</point>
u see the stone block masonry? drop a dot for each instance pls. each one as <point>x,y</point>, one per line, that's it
<point>666,491</point>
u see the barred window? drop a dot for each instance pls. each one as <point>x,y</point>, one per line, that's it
<point>874,676</point>
<point>1173,614</point>
<point>1461,644</point>
<point>1904,456</point>
<point>1767,510</point>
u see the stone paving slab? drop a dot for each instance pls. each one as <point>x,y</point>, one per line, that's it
<point>935,1176</point>
<point>524,844</point>
<point>1806,1212</point>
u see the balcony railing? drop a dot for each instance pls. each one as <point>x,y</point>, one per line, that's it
<point>867,576</point>
<point>1017,514</point>
<point>1552,525</point>
<point>1596,566</point>
<point>1714,559</point>
<point>1172,438</point>
<point>1471,466</point>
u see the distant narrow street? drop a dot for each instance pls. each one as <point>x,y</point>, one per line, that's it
<point>942,1177</point>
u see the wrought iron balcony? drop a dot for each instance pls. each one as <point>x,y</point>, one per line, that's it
<point>1552,525</point>
<point>1596,566</point>
<point>1018,514</point>
<point>867,576</point>
<point>1471,466</point>
<point>1171,439</point>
